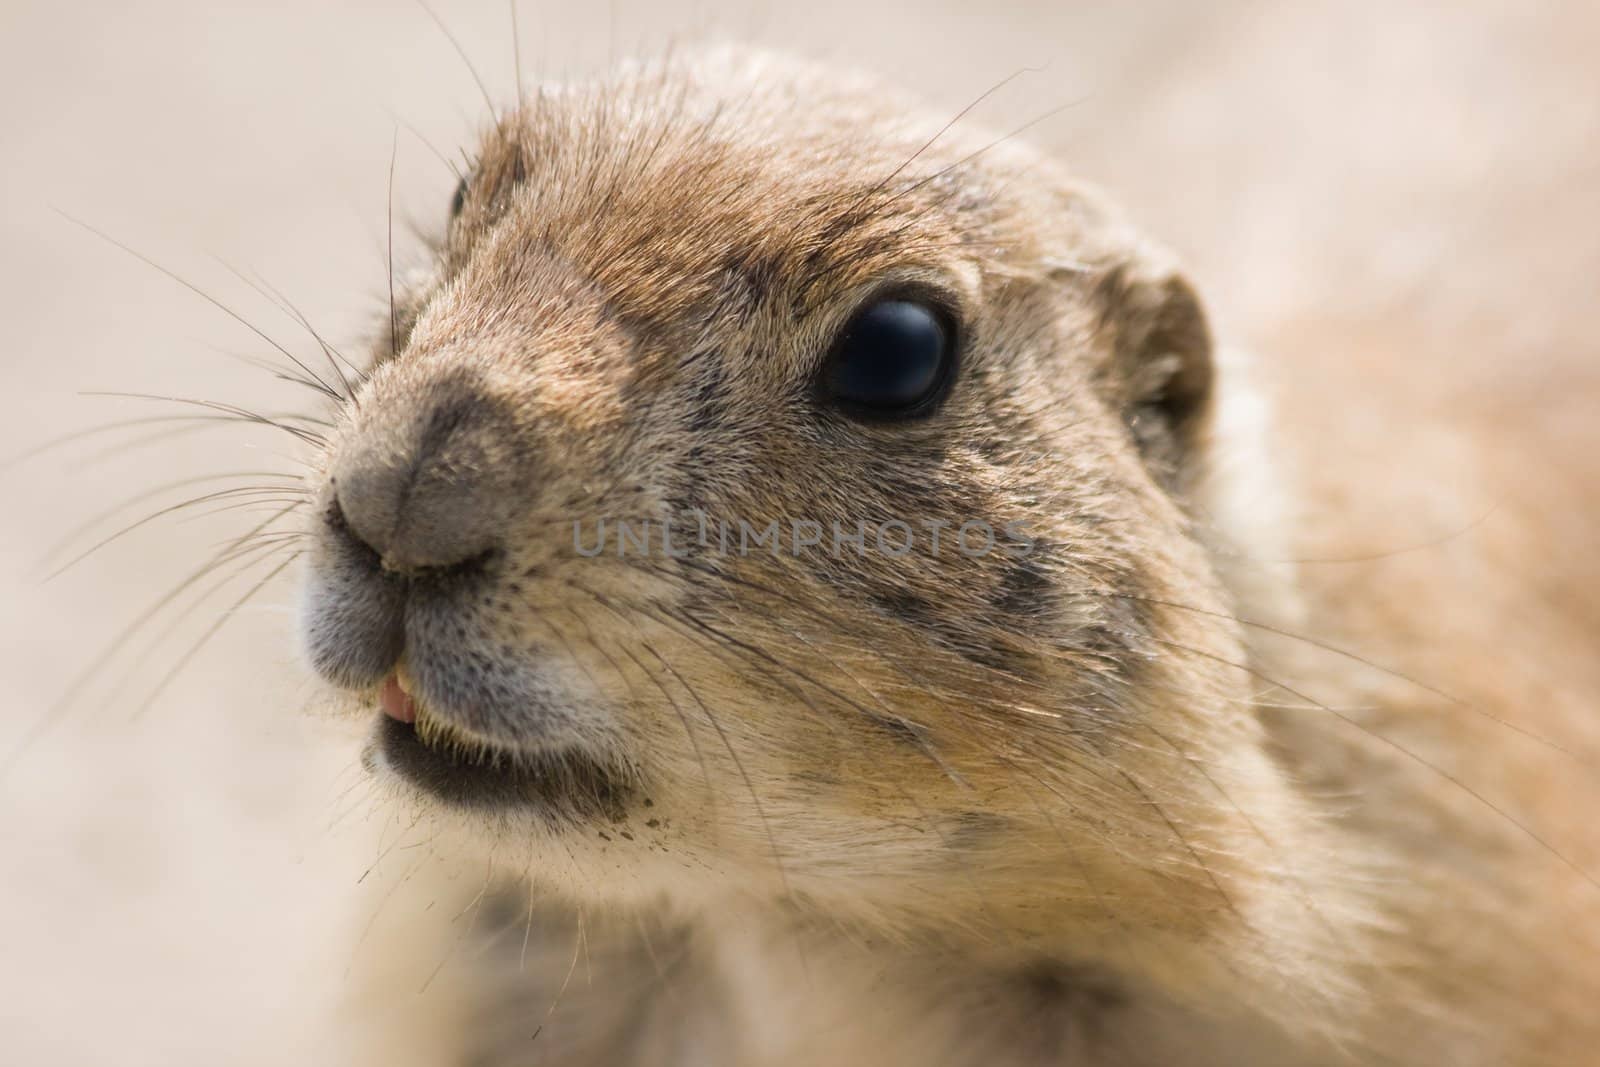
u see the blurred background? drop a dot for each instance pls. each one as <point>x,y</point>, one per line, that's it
<point>184,850</point>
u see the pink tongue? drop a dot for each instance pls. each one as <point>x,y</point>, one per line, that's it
<point>396,704</point>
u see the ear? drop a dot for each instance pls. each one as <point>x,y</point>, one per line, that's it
<point>1160,365</point>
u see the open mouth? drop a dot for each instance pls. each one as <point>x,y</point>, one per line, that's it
<point>473,775</point>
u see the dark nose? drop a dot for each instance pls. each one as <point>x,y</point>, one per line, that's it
<point>425,486</point>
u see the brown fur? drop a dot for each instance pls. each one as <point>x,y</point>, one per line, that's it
<point>1126,801</point>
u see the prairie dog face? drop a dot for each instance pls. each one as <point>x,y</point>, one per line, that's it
<point>886,439</point>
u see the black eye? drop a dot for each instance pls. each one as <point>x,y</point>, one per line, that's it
<point>894,360</point>
<point>459,201</point>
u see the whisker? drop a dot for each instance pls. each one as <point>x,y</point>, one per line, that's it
<point>1372,557</point>
<point>716,725</point>
<point>237,562</point>
<point>288,307</point>
<point>755,797</point>
<point>1296,885</point>
<point>116,426</point>
<point>281,374</point>
<point>1363,661</point>
<point>263,500</point>
<point>969,157</point>
<point>1390,742</point>
<point>516,50</point>
<point>394,329</point>
<point>213,301</point>
<point>946,128</point>
<point>383,901</point>
<point>308,436</point>
<point>462,52</point>
<point>210,632</point>
<point>577,947</point>
<point>429,145</point>
<point>694,741</point>
<point>139,498</point>
<point>474,907</point>
<point>51,716</point>
<point>931,823</point>
<point>160,512</point>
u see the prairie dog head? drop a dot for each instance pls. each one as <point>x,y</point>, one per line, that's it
<point>767,495</point>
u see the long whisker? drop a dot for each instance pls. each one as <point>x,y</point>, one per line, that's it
<point>207,297</point>
<point>210,632</point>
<point>1390,742</point>
<point>116,426</point>
<point>139,498</point>
<point>714,648</point>
<point>516,50</point>
<point>288,307</point>
<point>411,129</point>
<point>1363,661</point>
<point>219,494</point>
<point>997,142</point>
<point>733,754</point>
<point>52,715</point>
<point>237,561</point>
<point>1255,827</point>
<point>689,731</point>
<point>946,128</point>
<point>394,328</point>
<point>308,436</point>
<point>1373,557</point>
<point>460,51</point>
<point>279,373</point>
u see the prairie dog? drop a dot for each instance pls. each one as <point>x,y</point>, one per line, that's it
<point>830,553</point>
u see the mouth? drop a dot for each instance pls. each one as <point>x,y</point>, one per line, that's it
<point>417,746</point>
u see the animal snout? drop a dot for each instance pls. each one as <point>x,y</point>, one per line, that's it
<point>426,486</point>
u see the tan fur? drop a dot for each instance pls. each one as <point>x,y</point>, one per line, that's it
<point>1152,812</point>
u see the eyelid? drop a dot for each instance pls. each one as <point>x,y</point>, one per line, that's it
<point>942,298</point>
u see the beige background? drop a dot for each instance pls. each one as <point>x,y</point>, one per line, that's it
<point>184,886</point>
